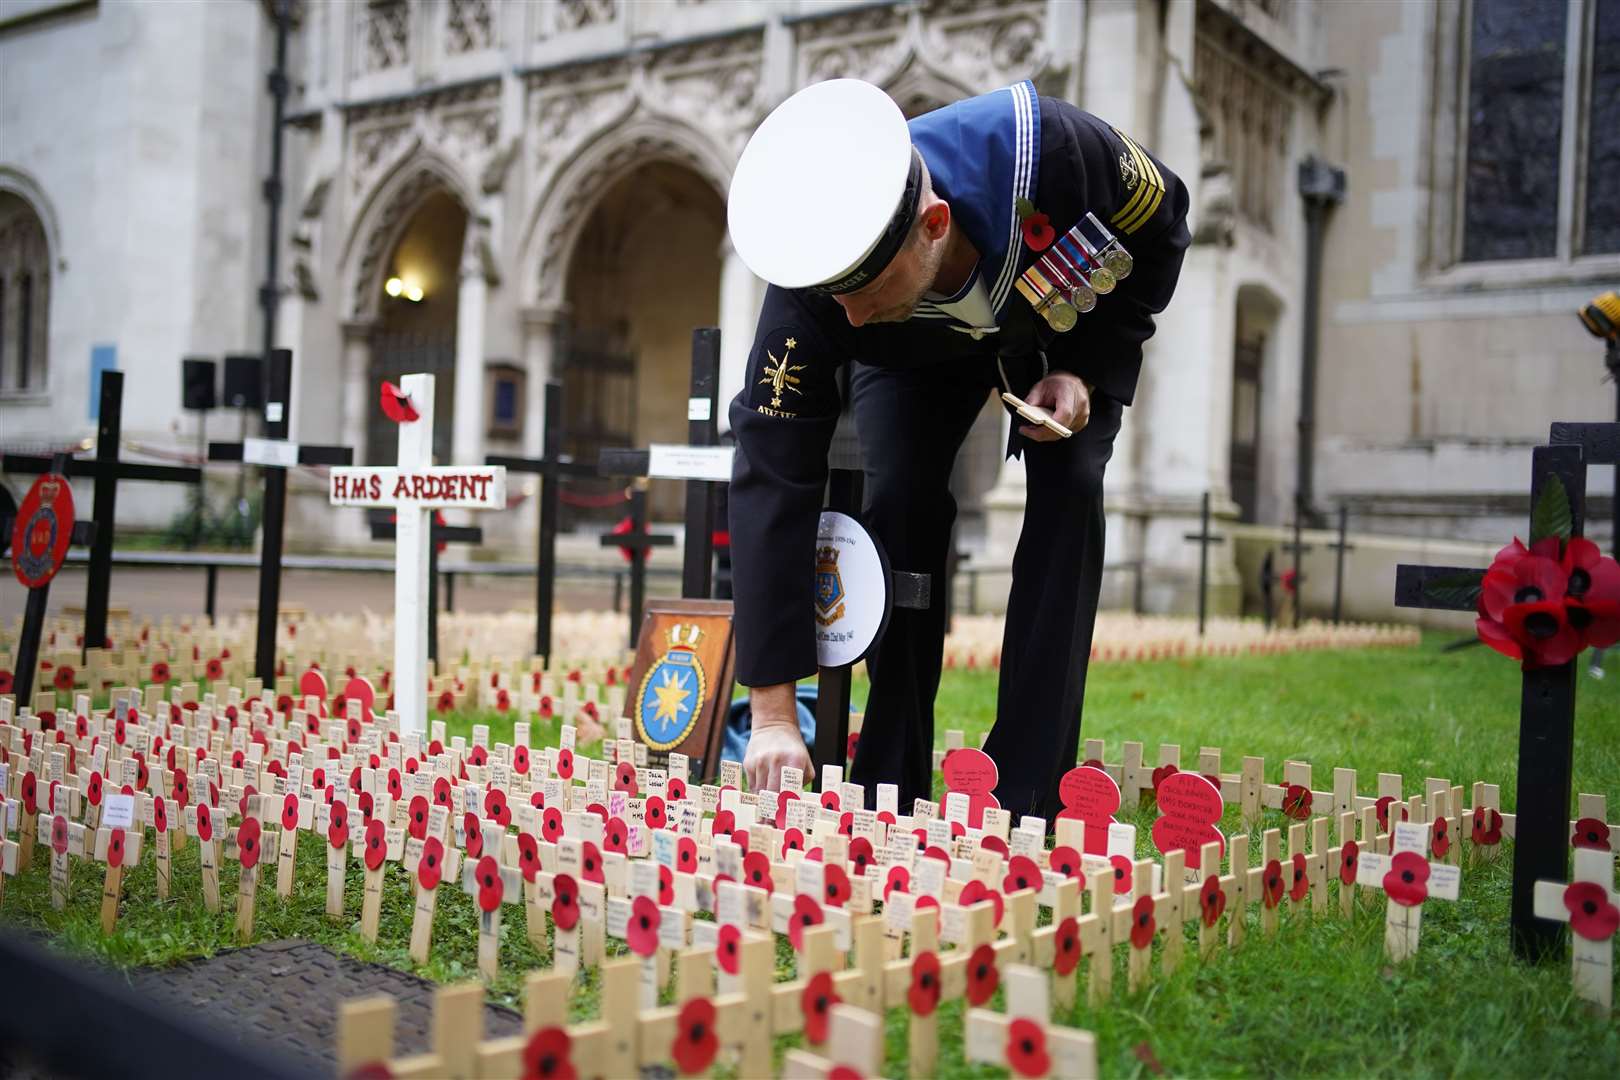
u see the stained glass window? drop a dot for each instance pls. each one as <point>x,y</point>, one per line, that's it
<point>1515,121</point>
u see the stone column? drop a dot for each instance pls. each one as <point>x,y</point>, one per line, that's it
<point>540,323</point>
<point>359,394</point>
<point>741,296</point>
<point>467,436</point>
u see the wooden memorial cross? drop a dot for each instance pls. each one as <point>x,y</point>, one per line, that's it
<point>637,543</point>
<point>1203,538</point>
<point>66,839</point>
<point>107,470</point>
<point>1588,904</point>
<point>1025,1041</point>
<point>430,860</point>
<point>44,529</point>
<point>250,843</point>
<point>205,824</point>
<point>414,489</point>
<point>439,534</point>
<point>118,845</point>
<point>1547,704</point>
<point>492,885</point>
<point>702,464</point>
<point>551,466</point>
<point>1408,878</point>
<point>365,1036</point>
<point>274,454</point>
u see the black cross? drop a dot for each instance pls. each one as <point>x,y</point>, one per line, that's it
<point>832,684</point>
<point>1203,538</point>
<point>638,542</point>
<point>84,532</point>
<point>273,517</point>
<point>1547,703</point>
<point>551,466</point>
<point>697,569</point>
<point>438,534</point>
<point>1339,547</point>
<point>107,470</point>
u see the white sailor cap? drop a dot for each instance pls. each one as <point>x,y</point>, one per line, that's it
<point>826,190</point>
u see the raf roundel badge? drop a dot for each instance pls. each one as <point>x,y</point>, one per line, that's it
<point>44,529</point>
<point>852,592</point>
<point>673,692</point>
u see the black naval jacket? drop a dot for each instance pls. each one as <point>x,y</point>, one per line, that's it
<point>783,435</point>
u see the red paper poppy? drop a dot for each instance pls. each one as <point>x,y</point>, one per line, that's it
<point>528,856</point>
<point>115,848</point>
<point>1440,837</point>
<point>1486,826</point>
<point>653,813</point>
<point>182,788</point>
<point>1161,774</point>
<point>614,836</point>
<point>447,701</point>
<point>520,760</point>
<point>160,672</point>
<point>1143,922</point>
<point>728,949</point>
<point>63,679</point>
<point>215,669</point>
<point>624,778</point>
<point>831,801</point>
<point>1300,884</point>
<point>1022,873</point>
<point>976,892</point>
<point>923,996</point>
<point>1211,901</point>
<point>564,902</point>
<point>366,803</point>
<point>1026,1048</point>
<point>757,871</point>
<point>723,824</point>
<point>417,817</point>
<point>496,809</point>
<point>247,843</point>
<point>666,885</point>
<point>478,757</point>
<point>696,1043</point>
<point>503,701</point>
<point>547,1056</point>
<point>289,811</point>
<point>590,860</point>
<point>642,931</point>
<point>806,913</point>
<point>1381,807</point>
<point>815,854</point>
<point>205,823</point>
<point>7,681</point>
<point>1591,914</point>
<point>441,792</point>
<point>565,763</point>
<point>1591,833</point>
<point>982,975</point>
<point>1407,879</point>
<point>551,825</point>
<point>835,885</point>
<point>376,844</point>
<point>396,404</point>
<point>59,834</point>
<point>546,710</point>
<point>783,799</point>
<point>675,789</point>
<point>860,855</point>
<point>337,825</point>
<point>30,793</point>
<point>160,814</point>
<point>1296,802</point>
<point>1065,860</point>
<point>937,852</point>
<point>472,835</point>
<point>686,855</point>
<point>816,1002</point>
<point>92,790</point>
<point>431,865</point>
<point>792,840</point>
<point>1066,946</point>
<point>1271,884</point>
<point>490,890</point>
<point>1038,231</point>
<point>898,879</point>
<point>1123,874</point>
<point>1349,856</point>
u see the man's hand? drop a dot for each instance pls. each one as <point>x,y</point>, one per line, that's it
<point>1066,397</point>
<point>775,742</point>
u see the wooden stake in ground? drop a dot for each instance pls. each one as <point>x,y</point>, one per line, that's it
<point>118,844</point>
<point>66,839</point>
<point>205,822</point>
<point>1408,879</point>
<point>249,843</point>
<point>854,1042</point>
<point>1588,904</point>
<point>492,885</point>
<point>1025,1041</point>
<point>380,845</point>
<point>296,813</point>
<point>157,812</point>
<point>431,861</point>
<point>334,822</point>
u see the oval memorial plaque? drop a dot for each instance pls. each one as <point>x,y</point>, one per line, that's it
<point>852,590</point>
<point>44,529</point>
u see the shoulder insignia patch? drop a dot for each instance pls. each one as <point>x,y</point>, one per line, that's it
<point>1145,183</point>
<point>780,371</point>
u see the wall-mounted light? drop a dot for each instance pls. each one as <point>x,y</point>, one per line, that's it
<point>409,290</point>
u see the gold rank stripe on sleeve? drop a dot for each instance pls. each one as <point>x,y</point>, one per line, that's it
<point>1149,191</point>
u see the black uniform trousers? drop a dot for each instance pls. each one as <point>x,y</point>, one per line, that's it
<point>911,424</point>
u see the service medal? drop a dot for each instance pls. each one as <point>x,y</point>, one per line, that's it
<point>1061,316</point>
<point>1083,297</point>
<point>1102,280</point>
<point>1118,261</point>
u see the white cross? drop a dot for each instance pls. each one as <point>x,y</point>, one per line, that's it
<point>414,489</point>
<point>1402,921</point>
<point>1592,961</point>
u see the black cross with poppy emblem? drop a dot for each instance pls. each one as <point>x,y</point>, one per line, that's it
<point>1547,702</point>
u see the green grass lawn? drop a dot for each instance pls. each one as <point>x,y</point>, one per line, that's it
<point>1318,999</point>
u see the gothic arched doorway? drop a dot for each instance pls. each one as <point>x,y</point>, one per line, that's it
<point>645,274</point>
<point>416,319</point>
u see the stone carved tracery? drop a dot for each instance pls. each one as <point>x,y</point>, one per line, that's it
<point>383,35</point>
<point>469,26</point>
<point>385,220</point>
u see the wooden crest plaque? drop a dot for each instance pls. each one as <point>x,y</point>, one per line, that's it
<point>680,686</point>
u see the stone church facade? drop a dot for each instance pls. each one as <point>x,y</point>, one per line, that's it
<point>506,193</point>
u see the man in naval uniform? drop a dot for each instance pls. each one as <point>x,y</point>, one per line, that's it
<point>1009,242</point>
